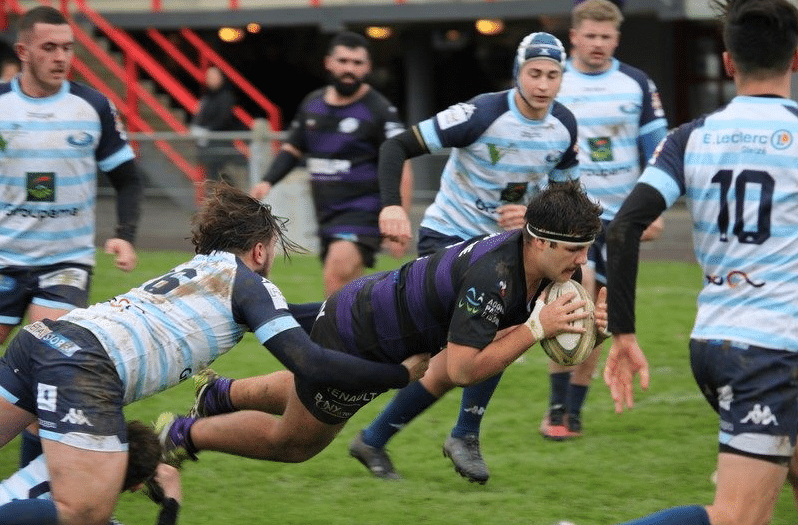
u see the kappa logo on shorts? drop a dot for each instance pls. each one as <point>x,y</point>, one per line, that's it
<point>760,415</point>
<point>76,417</point>
<point>46,397</point>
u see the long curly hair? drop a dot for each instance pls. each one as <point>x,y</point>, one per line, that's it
<point>144,454</point>
<point>232,221</point>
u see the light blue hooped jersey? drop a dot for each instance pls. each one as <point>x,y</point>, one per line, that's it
<point>738,170</point>
<point>620,121</point>
<point>50,150</point>
<point>173,326</point>
<point>498,157</point>
<point>29,482</point>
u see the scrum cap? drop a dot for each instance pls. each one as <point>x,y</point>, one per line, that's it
<point>539,45</point>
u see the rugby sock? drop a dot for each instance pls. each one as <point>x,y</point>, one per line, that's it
<point>688,515</point>
<point>576,398</point>
<point>30,448</point>
<point>217,400</point>
<point>558,395</point>
<point>411,401</point>
<point>473,405</point>
<point>180,434</point>
<point>29,512</point>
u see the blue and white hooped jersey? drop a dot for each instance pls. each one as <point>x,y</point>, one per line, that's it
<point>50,149</point>
<point>738,170</point>
<point>620,121</point>
<point>173,326</point>
<point>29,482</point>
<point>498,157</point>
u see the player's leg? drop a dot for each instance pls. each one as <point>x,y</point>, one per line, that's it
<point>55,290</point>
<point>342,264</point>
<point>13,419</point>
<point>747,490</point>
<point>755,388</point>
<point>85,484</point>
<point>216,394</point>
<point>368,447</point>
<point>295,437</point>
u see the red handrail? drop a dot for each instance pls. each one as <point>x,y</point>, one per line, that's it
<point>135,91</point>
<point>133,50</point>
<point>273,112</point>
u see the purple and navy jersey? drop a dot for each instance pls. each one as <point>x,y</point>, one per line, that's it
<point>341,145</point>
<point>463,294</point>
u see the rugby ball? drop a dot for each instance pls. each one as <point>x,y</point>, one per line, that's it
<point>568,348</point>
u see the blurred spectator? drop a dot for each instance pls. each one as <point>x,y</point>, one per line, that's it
<point>9,63</point>
<point>215,113</point>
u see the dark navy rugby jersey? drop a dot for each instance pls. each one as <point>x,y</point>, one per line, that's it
<point>341,145</point>
<point>463,294</point>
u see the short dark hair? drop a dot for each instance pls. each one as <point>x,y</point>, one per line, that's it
<point>143,454</point>
<point>40,15</point>
<point>564,208</point>
<point>232,221</point>
<point>760,35</point>
<point>349,39</point>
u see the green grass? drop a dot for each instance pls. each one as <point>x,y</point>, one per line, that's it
<point>658,455</point>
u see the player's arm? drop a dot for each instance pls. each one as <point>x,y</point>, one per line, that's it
<point>467,365</point>
<point>168,479</point>
<point>260,305</point>
<point>299,354</point>
<point>394,154</point>
<point>126,181</point>
<point>285,161</point>
<point>626,358</point>
<point>305,314</point>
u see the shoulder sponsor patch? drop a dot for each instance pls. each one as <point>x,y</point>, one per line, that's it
<point>277,296</point>
<point>455,115</point>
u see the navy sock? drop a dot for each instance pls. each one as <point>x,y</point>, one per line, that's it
<point>688,515</point>
<point>29,512</point>
<point>558,395</point>
<point>473,405</point>
<point>30,449</point>
<point>576,398</point>
<point>411,401</point>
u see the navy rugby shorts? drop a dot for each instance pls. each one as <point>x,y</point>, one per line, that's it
<point>754,390</point>
<point>61,373</point>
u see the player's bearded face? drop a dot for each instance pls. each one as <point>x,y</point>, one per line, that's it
<point>346,84</point>
<point>347,69</point>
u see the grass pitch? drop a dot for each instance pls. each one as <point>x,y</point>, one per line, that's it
<point>658,455</point>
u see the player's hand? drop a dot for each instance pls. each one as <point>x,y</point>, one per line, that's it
<point>396,249</point>
<point>624,360</point>
<point>511,216</point>
<point>126,258</point>
<point>558,316</point>
<point>654,230</point>
<point>600,313</point>
<point>416,365</point>
<point>394,224</point>
<point>260,190</point>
